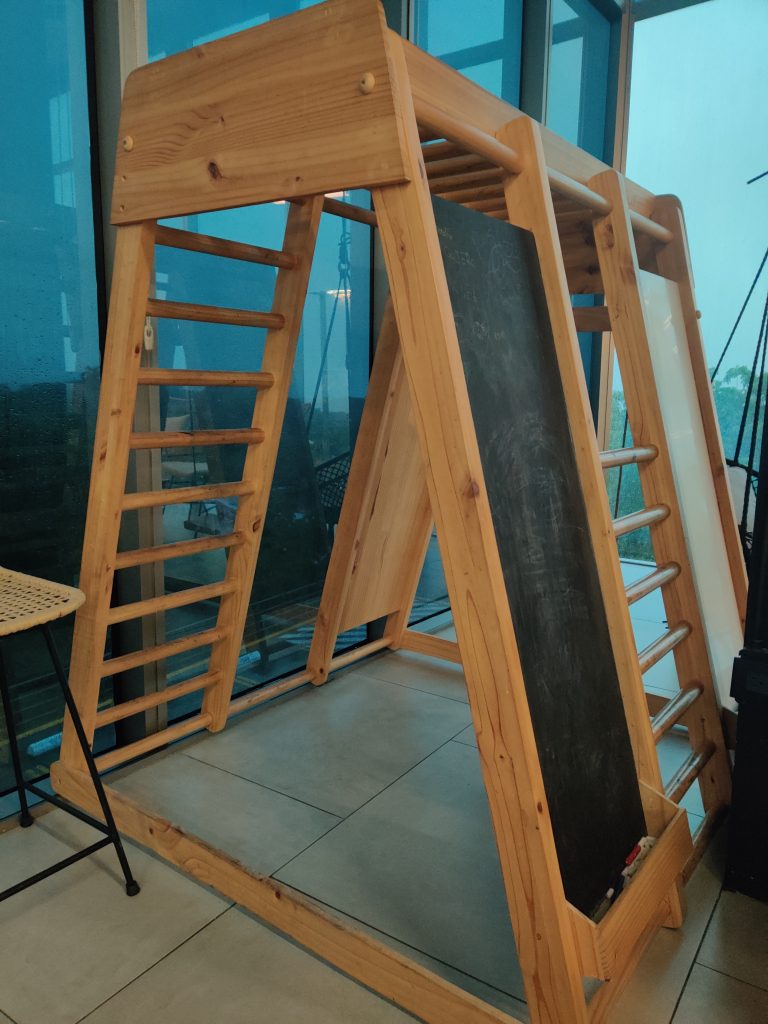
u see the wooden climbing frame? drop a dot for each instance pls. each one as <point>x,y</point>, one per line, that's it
<point>327,100</point>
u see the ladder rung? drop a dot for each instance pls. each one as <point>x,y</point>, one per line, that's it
<point>179,549</point>
<point>165,602</point>
<point>687,773</point>
<point>659,648</point>
<point>627,456</point>
<point>186,495</point>
<point>591,318</point>
<point>214,314</point>
<point>637,520</point>
<point>166,650</point>
<point>157,739</point>
<point>206,378</point>
<point>173,238</point>
<point>674,710</point>
<point>152,700</point>
<point>190,438</point>
<point>654,580</point>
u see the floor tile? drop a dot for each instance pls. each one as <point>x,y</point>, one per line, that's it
<point>338,745</point>
<point>653,991</point>
<point>237,971</point>
<point>736,942</point>
<point>4,1019</point>
<point>78,930</point>
<point>713,998</point>
<point>419,863</point>
<point>468,736</point>
<point>421,673</point>
<point>256,826</point>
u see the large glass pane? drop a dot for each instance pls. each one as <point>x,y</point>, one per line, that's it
<point>697,129</point>
<point>49,346</point>
<point>327,392</point>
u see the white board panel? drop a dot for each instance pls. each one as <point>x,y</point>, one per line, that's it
<point>693,477</point>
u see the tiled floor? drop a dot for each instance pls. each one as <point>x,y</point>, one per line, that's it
<point>366,794</point>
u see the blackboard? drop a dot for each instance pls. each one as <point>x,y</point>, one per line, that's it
<point>540,521</point>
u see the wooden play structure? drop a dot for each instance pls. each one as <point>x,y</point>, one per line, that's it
<point>327,100</point>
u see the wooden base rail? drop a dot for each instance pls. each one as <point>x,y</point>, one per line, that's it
<point>153,700</point>
<point>185,495</point>
<point>647,584</point>
<point>177,549</point>
<point>434,646</point>
<point>214,314</point>
<point>206,378</point>
<point>381,968</point>
<point>489,148</point>
<point>687,773</point>
<point>153,742</point>
<point>654,652</point>
<point>173,238</point>
<point>167,650</point>
<point>627,456</point>
<point>674,710</point>
<point>198,438</point>
<point>637,520</point>
<point>166,602</point>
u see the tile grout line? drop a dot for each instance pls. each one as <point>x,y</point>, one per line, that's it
<point>731,977</point>
<point>365,804</point>
<point>151,967</point>
<point>694,960</point>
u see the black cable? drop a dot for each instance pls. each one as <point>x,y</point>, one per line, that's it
<point>738,318</point>
<point>762,343</point>
<point>748,399</point>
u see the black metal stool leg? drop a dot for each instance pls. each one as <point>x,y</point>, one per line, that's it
<point>25,818</point>
<point>131,885</point>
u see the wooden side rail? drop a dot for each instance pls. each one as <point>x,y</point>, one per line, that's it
<point>688,772</point>
<point>152,700</point>
<point>637,520</point>
<point>190,438</point>
<point>177,549</point>
<point>185,495</point>
<point>647,584</point>
<point>674,710</point>
<point>173,238</point>
<point>627,456</point>
<point>166,309</point>
<point>654,652</point>
<point>205,378</point>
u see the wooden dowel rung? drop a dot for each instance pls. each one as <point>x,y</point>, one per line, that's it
<point>467,135</point>
<point>152,700</point>
<point>440,150</point>
<point>649,227</point>
<point>178,549</point>
<point>687,773</point>
<point>206,378</point>
<point>348,211</point>
<point>654,652</point>
<point>265,693</point>
<point>194,438</point>
<point>149,654</point>
<point>164,308</point>
<point>149,743</point>
<point>173,238</point>
<point>472,193</point>
<point>578,192</point>
<point>637,520</point>
<point>185,495</point>
<point>165,602</point>
<point>627,456</point>
<point>658,578</point>
<point>468,179</point>
<point>591,318</point>
<point>674,710</point>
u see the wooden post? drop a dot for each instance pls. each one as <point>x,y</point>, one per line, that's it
<point>481,611</point>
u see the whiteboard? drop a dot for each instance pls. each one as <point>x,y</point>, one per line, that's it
<point>695,487</point>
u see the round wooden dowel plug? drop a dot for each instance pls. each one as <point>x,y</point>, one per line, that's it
<point>366,83</point>
<point>128,143</point>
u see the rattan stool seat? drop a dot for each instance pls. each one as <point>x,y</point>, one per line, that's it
<point>28,601</point>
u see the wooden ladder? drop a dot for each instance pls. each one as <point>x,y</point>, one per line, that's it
<point>116,438</point>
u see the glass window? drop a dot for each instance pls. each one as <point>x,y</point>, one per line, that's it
<point>49,341</point>
<point>327,393</point>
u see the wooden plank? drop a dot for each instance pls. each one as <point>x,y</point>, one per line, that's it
<point>269,113</point>
<point>122,355</point>
<point>507,747</point>
<point>192,241</point>
<point>620,271</point>
<point>394,976</point>
<point>213,314</point>
<point>591,318</point>
<point>151,700</point>
<point>279,352</point>
<point>674,262</point>
<point>433,646</point>
<point>206,378</point>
